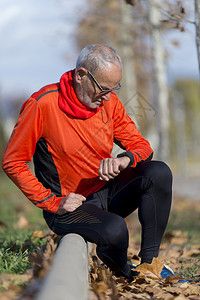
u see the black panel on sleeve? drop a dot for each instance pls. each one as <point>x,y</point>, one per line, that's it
<point>45,169</point>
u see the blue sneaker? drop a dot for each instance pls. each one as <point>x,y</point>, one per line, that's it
<point>133,272</point>
<point>133,266</point>
<point>167,271</point>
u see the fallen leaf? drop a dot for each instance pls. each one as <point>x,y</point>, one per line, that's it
<point>99,288</point>
<point>140,280</point>
<point>6,280</point>
<point>172,279</point>
<point>184,285</point>
<point>152,270</point>
<point>181,297</point>
<point>37,234</point>
<point>42,258</point>
<point>192,290</point>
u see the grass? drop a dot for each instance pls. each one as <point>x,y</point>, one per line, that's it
<point>192,271</point>
<point>13,263</point>
<point>16,242</point>
<point>15,248</point>
<point>13,203</point>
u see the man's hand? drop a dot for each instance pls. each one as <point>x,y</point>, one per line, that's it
<point>70,202</point>
<point>109,168</point>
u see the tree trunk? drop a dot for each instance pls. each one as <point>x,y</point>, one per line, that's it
<point>129,74</point>
<point>197,21</point>
<point>128,50</point>
<point>160,82</point>
<point>180,136</point>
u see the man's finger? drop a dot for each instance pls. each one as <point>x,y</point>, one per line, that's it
<point>105,167</point>
<point>111,171</point>
<point>79,197</point>
<point>116,168</point>
<point>113,168</point>
<point>108,169</point>
<point>101,171</point>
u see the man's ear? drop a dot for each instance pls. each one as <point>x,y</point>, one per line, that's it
<point>79,75</point>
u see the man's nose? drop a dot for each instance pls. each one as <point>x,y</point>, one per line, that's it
<point>106,97</point>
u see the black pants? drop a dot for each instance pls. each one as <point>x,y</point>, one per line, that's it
<point>100,219</point>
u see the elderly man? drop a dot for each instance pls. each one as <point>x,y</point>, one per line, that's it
<point>69,129</point>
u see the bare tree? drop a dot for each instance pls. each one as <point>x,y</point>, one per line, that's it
<point>126,28</point>
<point>197,22</point>
<point>126,45</point>
<point>161,88</point>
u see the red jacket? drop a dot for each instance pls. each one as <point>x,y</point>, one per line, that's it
<point>67,150</point>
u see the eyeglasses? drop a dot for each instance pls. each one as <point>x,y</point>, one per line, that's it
<point>103,91</point>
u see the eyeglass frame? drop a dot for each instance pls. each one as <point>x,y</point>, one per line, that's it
<point>99,86</point>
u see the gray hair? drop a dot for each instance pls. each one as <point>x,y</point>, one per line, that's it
<point>97,56</point>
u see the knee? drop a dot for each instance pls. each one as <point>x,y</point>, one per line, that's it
<point>162,181</point>
<point>160,172</point>
<point>116,232</point>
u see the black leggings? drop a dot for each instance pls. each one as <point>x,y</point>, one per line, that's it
<point>100,219</point>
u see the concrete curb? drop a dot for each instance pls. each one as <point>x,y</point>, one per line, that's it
<point>68,277</point>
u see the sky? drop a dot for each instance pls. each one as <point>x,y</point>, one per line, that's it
<point>37,45</point>
<point>182,59</point>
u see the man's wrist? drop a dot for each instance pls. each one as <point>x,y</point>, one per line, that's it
<point>125,160</point>
<point>128,154</point>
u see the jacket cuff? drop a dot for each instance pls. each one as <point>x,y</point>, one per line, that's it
<point>130,155</point>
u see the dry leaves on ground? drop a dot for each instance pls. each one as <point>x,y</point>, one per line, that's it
<point>176,251</point>
<point>103,284</point>
<point>147,285</point>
